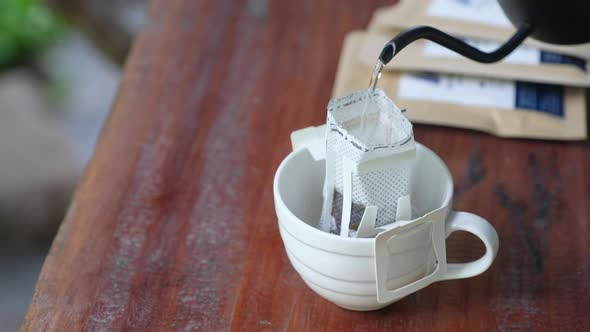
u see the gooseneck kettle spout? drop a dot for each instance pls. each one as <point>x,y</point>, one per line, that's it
<point>403,39</point>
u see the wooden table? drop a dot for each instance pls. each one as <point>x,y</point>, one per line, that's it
<point>173,225</point>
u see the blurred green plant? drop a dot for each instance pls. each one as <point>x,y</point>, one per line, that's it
<point>26,26</point>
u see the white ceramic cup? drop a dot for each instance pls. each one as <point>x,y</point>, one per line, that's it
<point>370,273</point>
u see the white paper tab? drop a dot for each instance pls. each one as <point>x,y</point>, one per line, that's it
<point>545,98</point>
<point>458,90</point>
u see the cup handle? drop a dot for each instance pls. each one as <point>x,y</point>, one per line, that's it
<point>476,225</point>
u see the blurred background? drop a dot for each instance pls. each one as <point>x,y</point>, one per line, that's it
<point>60,62</point>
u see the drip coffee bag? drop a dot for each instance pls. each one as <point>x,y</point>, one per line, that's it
<point>369,155</point>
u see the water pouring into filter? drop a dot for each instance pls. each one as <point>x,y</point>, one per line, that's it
<point>369,153</point>
<point>370,146</point>
<point>364,210</point>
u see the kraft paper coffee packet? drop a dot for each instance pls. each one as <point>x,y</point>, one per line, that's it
<point>501,107</point>
<point>465,18</point>
<point>526,63</point>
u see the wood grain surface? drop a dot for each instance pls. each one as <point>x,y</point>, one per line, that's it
<point>173,225</point>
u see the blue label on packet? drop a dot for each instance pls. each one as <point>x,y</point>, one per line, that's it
<point>427,76</point>
<point>544,98</point>
<point>550,57</point>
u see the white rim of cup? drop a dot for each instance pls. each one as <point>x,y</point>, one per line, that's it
<point>350,246</point>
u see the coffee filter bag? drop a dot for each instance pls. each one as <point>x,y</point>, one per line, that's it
<point>369,154</point>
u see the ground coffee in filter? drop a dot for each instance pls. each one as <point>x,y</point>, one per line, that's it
<point>369,154</point>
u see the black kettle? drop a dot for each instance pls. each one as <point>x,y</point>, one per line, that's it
<point>555,22</point>
<point>550,21</point>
